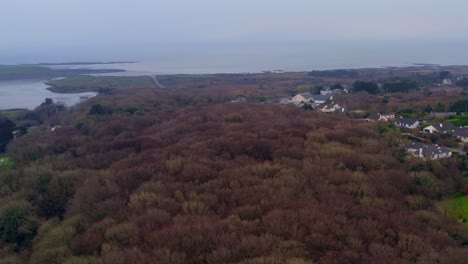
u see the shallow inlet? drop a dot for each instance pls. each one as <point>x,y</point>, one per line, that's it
<point>29,94</point>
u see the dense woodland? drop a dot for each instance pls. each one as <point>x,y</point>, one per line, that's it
<point>150,175</point>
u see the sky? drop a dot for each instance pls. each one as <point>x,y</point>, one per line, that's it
<point>33,30</point>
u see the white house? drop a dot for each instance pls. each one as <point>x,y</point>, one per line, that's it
<point>407,123</point>
<point>331,108</point>
<point>387,117</point>
<point>447,82</point>
<point>326,92</point>
<point>430,130</point>
<point>380,117</point>
<point>302,98</point>
<point>440,128</point>
<point>430,151</point>
<point>308,98</point>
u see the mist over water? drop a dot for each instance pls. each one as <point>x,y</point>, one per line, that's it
<point>239,58</point>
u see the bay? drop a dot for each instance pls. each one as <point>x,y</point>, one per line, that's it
<point>29,94</point>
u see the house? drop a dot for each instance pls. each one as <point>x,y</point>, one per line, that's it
<point>330,108</point>
<point>338,91</point>
<point>326,91</point>
<point>461,134</point>
<point>340,110</point>
<point>430,130</point>
<point>447,82</point>
<point>407,123</point>
<point>17,133</point>
<point>373,117</point>
<point>308,98</point>
<point>302,98</point>
<point>380,117</point>
<point>440,128</point>
<point>387,117</point>
<point>320,99</point>
<point>429,151</point>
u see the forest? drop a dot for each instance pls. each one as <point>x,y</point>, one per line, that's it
<point>148,175</point>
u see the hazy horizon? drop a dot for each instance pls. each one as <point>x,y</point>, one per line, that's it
<point>362,32</point>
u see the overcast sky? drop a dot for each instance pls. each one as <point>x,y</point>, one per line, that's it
<point>48,26</point>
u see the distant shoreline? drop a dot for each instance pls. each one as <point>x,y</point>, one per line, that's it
<point>80,63</point>
<point>71,63</point>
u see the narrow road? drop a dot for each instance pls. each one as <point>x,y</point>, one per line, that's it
<point>158,84</point>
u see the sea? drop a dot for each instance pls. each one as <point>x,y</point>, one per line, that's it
<point>253,58</point>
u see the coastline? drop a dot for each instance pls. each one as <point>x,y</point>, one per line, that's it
<point>64,87</point>
<point>32,92</point>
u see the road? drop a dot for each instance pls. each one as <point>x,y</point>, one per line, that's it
<point>158,84</point>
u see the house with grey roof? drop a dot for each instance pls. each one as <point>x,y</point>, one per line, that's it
<point>320,99</point>
<point>440,128</point>
<point>340,110</point>
<point>407,123</point>
<point>309,98</point>
<point>461,134</point>
<point>373,117</point>
<point>284,100</point>
<point>338,91</point>
<point>428,151</point>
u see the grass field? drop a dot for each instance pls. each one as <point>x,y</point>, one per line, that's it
<point>455,208</point>
<point>86,83</point>
<point>460,120</point>
<point>25,72</point>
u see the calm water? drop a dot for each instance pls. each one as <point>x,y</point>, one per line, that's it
<point>31,93</point>
<point>269,57</point>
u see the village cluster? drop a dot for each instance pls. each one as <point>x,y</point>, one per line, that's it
<point>322,102</point>
<point>424,150</point>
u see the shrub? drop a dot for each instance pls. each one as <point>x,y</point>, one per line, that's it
<point>6,164</point>
<point>174,165</point>
<point>87,243</point>
<point>17,226</point>
<point>122,234</point>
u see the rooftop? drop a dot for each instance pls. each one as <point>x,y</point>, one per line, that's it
<point>408,121</point>
<point>428,149</point>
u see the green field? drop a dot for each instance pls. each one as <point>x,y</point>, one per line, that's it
<point>25,72</point>
<point>86,83</point>
<point>460,120</point>
<point>455,208</point>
